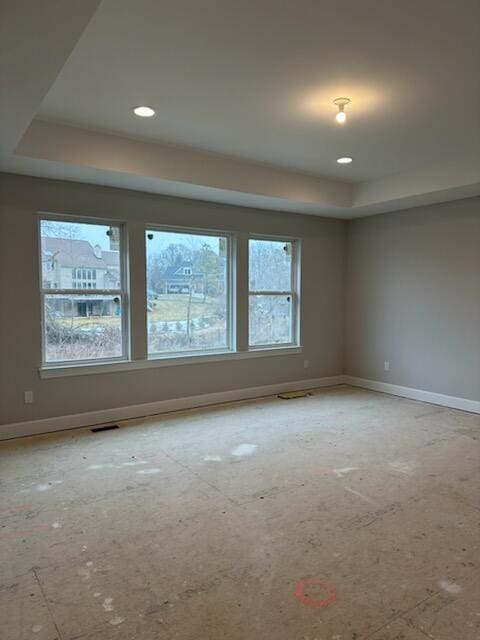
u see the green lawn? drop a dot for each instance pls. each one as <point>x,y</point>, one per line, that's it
<point>168,308</point>
<point>81,321</point>
<point>173,306</point>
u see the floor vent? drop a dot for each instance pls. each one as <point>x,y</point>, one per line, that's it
<point>97,429</point>
<point>290,395</point>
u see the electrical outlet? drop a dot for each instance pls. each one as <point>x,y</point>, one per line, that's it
<point>306,364</point>
<point>28,397</point>
<point>386,365</point>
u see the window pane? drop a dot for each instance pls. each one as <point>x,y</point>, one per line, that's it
<point>71,250</point>
<point>270,320</point>
<point>187,297</point>
<point>82,327</point>
<point>270,265</point>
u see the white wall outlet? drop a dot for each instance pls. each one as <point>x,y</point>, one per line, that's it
<point>306,364</point>
<point>386,365</point>
<point>28,397</point>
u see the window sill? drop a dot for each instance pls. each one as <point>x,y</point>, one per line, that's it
<point>61,371</point>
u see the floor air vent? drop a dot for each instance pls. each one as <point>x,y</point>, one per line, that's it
<point>97,429</point>
<point>290,395</point>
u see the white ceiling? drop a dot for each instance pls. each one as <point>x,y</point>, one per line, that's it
<point>254,81</point>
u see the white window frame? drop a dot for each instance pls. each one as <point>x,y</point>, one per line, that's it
<point>122,292</point>
<point>230,346</point>
<point>293,293</point>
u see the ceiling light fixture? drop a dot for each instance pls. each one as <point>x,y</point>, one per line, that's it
<point>341,116</point>
<point>345,160</point>
<point>144,112</point>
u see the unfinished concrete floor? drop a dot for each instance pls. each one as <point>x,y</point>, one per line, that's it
<point>345,515</point>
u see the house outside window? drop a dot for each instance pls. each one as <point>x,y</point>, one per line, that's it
<point>189,303</point>
<point>79,324</point>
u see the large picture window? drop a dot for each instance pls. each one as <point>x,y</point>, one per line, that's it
<point>191,294</point>
<point>188,292</point>
<point>84,299</point>
<point>273,296</point>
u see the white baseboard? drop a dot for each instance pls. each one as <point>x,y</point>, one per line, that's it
<point>415,394</point>
<point>108,416</point>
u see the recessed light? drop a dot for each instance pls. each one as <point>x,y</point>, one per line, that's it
<point>144,112</point>
<point>345,160</point>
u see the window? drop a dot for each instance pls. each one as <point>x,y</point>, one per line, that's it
<point>188,292</point>
<point>78,324</point>
<point>273,299</point>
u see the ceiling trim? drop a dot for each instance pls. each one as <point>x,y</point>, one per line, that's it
<point>104,151</point>
<point>103,158</point>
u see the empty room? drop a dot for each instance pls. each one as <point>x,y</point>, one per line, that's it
<point>239,320</point>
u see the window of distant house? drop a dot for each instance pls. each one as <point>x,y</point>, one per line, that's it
<point>188,292</point>
<point>273,295</point>
<point>84,300</point>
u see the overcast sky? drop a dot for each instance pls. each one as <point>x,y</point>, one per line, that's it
<point>97,234</point>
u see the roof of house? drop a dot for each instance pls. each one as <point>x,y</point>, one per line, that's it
<point>111,258</point>
<point>78,253</point>
<point>176,272</point>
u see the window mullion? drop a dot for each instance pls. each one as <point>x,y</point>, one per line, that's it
<point>84,292</point>
<point>136,257</point>
<point>271,293</point>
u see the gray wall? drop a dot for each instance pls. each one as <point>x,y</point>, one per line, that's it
<point>323,258</point>
<point>413,298</point>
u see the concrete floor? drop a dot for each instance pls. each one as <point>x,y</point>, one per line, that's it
<point>347,515</point>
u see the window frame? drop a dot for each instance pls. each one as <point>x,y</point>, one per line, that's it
<point>123,292</point>
<point>231,297</point>
<point>294,293</point>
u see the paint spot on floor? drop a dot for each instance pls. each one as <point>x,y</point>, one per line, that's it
<point>244,450</point>
<point>36,628</point>
<point>302,588</point>
<point>23,533</point>
<point>212,459</point>
<point>134,463</point>
<point>148,472</point>
<point>84,574</point>
<point>319,471</point>
<point>342,472</point>
<point>47,486</point>
<point>450,587</point>
<point>17,509</point>
<point>401,467</point>
<point>107,604</point>
<point>117,620</point>
<point>96,467</point>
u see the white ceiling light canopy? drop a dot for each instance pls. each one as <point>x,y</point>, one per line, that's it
<point>144,111</point>
<point>341,116</point>
<point>345,160</point>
